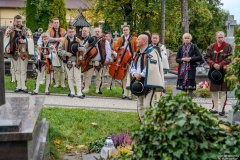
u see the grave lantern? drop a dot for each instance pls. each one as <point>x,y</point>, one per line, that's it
<point>108,148</point>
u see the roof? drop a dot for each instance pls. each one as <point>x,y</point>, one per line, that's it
<point>80,21</point>
<point>70,4</point>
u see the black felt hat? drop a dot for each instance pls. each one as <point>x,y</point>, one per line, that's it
<point>137,87</point>
<point>216,76</point>
<point>74,48</point>
<point>92,40</point>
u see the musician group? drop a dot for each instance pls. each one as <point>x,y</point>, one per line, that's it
<point>129,59</point>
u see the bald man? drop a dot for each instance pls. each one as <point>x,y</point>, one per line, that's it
<point>153,74</point>
<point>97,63</point>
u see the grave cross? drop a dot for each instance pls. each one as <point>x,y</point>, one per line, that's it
<point>124,24</point>
<point>230,23</point>
<point>115,35</point>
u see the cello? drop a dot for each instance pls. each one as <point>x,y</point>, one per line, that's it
<point>118,69</point>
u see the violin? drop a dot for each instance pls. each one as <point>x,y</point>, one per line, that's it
<point>47,61</point>
<point>23,51</point>
<point>90,54</point>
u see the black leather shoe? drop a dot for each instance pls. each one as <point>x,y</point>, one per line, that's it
<point>221,113</point>
<point>47,93</point>
<point>34,93</point>
<point>130,98</point>
<point>99,92</point>
<point>213,111</point>
<point>81,97</point>
<point>70,95</point>
<point>25,91</point>
<point>124,97</point>
<point>17,90</point>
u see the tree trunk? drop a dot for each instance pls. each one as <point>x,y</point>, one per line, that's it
<point>163,9</point>
<point>184,16</point>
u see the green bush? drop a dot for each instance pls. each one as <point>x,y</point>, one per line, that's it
<point>202,92</point>
<point>177,128</point>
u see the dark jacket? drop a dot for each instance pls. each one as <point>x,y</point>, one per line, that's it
<point>223,58</point>
<point>195,54</point>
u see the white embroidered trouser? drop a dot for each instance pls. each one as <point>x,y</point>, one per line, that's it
<point>74,75</point>
<point>106,71</point>
<point>20,67</point>
<point>215,100</point>
<point>40,78</point>
<point>62,74</point>
<point>88,77</point>
<point>12,70</point>
<point>143,103</point>
<point>126,92</point>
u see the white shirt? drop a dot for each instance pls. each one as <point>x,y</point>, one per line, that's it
<point>108,52</point>
<point>138,69</point>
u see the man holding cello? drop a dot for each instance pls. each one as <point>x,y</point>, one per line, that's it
<point>102,57</point>
<point>122,43</point>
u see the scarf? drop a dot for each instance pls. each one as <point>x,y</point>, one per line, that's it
<point>185,66</point>
<point>219,48</point>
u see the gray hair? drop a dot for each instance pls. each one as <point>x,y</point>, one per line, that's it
<point>220,32</point>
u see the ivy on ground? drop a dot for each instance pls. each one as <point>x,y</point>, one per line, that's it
<point>177,128</point>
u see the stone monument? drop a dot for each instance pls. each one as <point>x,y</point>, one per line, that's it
<point>230,23</point>
<point>22,135</point>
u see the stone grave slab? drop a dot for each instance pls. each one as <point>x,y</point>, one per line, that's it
<point>22,133</point>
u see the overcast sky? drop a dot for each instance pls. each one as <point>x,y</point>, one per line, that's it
<point>233,6</point>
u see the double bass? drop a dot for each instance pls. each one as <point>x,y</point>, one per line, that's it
<point>118,69</point>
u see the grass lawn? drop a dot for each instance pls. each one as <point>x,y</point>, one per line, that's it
<point>79,127</point>
<point>115,92</point>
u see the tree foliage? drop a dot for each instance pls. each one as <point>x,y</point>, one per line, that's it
<point>40,12</point>
<point>205,18</point>
<point>30,14</point>
<point>58,10</point>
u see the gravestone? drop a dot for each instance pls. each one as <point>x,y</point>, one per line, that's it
<point>230,23</point>
<point>125,24</point>
<point>115,35</point>
<point>22,135</point>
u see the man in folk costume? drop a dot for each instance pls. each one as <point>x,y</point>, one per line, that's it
<point>132,47</point>
<point>18,35</point>
<point>146,67</point>
<point>218,56</point>
<point>163,54</point>
<point>108,37</point>
<point>84,36</point>
<point>56,35</point>
<point>68,48</point>
<point>46,58</point>
<point>84,39</point>
<point>97,63</point>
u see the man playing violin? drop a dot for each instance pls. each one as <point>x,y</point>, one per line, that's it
<point>18,35</point>
<point>69,47</point>
<point>46,55</point>
<point>103,57</point>
<point>132,47</point>
<point>56,35</point>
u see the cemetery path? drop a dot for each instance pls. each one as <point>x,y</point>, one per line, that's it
<point>105,103</point>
